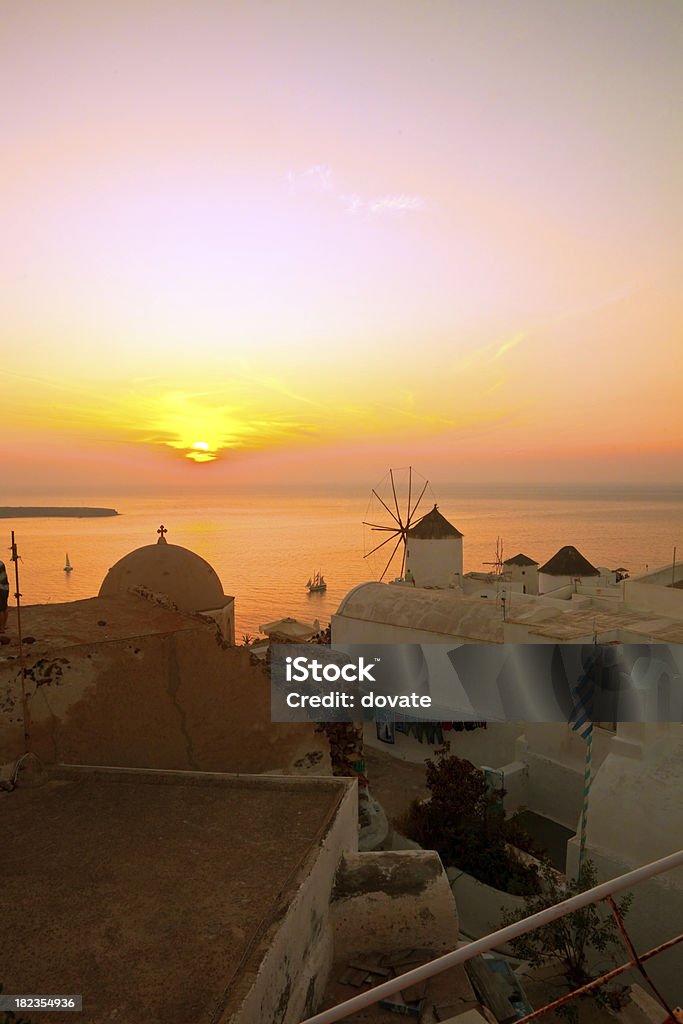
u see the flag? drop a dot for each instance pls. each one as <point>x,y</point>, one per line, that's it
<point>581,715</point>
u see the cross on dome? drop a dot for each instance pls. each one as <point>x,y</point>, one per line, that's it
<point>161,531</point>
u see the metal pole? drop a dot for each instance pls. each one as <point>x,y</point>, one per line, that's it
<point>488,942</point>
<point>17,595</point>
<point>602,980</point>
<point>634,955</point>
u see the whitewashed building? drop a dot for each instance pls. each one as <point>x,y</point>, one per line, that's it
<point>522,572</point>
<point>636,806</point>
<point>434,552</point>
<point>567,567</point>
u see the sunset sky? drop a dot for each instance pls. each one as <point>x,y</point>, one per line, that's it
<point>308,241</point>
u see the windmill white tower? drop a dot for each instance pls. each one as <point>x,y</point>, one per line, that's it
<point>434,554</point>
<point>424,546</point>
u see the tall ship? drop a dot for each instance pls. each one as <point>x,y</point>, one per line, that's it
<point>316,583</point>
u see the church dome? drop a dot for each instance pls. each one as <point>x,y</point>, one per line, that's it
<point>188,580</point>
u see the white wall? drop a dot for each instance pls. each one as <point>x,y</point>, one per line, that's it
<point>293,974</point>
<point>547,583</point>
<point>659,599</point>
<point>663,576</point>
<point>346,630</point>
<point>433,563</point>
<point>635,817</point>
<point>525,576</point>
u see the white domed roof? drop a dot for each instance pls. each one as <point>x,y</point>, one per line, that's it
<point>180,574</point>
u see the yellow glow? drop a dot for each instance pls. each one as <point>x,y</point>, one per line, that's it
<point>201,456</point>
<point>201,445</point>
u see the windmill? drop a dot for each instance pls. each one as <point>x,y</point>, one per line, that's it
<point>395,506</point>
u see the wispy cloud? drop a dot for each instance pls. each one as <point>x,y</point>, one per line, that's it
<point>510,343</point>
<point>319,178</point>
<point>316,178</point>
<point>387,204</point>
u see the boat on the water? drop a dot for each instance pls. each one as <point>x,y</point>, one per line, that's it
<point>316,583</point>
<point>68,567</point>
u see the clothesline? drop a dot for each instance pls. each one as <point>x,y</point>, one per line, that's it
<point>431,731</point>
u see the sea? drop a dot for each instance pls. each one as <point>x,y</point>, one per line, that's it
<point>265,544</point>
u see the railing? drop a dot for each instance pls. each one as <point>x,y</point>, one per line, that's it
<point>604,891</point>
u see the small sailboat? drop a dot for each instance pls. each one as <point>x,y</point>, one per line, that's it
<point>68,566</point>
<point>316,583</point>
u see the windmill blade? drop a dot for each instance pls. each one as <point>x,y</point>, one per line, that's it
<point>376,526</point>
<point>410,517</point>
<point>398,511</point>
<point>414,522</point>
<point>396,533</point>
<point>403,561</point>
<point>410,487</point>
<point>391,557</point>
<point>397,521</point>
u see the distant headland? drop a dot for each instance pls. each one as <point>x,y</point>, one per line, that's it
<point>63,511</point>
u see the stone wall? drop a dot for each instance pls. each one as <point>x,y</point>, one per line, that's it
<point>174,696</point>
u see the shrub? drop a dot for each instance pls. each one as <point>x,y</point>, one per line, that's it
<point>466,825</point>
<point>572,942</point>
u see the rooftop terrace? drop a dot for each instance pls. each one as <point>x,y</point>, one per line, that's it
<point>149,892</point>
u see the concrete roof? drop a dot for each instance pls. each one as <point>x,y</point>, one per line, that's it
<point>169,569</point>
<point>150,893</point>
<point>575,623</point>
<point>96,619</point>
<point>450,613</point>
<point>446,612</point>
<point>289,627</point>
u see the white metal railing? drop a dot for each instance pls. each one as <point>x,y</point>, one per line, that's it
<point>488,942</point>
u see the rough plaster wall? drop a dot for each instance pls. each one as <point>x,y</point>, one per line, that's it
<point>635,817</point>
<point>433,562</point>
<point>391,901</point>
<point>297,951</point>
<point>346,630</point>
<point>177,701</point>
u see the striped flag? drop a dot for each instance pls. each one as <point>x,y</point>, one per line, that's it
<point>581,719</point>
<point>581,716</point>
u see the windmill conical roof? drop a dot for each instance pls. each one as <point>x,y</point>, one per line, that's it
<point>568,562</point>
<point>520,560</point>
<point>433,526</point>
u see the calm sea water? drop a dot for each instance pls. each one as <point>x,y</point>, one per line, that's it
<point>264,546</point>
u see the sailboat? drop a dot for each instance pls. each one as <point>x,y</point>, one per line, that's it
<point>68,567</point>
<point>316,583</point>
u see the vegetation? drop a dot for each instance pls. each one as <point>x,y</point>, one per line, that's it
<point>466,825</point>
<point>575,943</point>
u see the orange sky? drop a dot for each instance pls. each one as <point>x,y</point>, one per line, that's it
<point>310,241</point>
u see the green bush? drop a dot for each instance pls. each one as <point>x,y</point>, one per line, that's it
<point>466,825</point>
<point>573,942</point>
